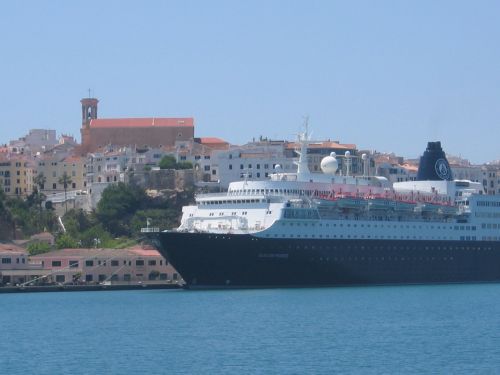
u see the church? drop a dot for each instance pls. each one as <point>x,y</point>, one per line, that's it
<point>141,132</point>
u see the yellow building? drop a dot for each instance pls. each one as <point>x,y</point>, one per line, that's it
<point>16,176</point>
<point>53,169</point>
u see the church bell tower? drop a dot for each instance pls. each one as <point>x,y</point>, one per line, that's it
<point>89,112</point>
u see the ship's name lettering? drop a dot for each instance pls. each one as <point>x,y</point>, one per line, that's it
<point>273,255</point>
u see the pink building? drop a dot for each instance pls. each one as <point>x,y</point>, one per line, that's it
<point>15,268</point>
<point>118,266</point>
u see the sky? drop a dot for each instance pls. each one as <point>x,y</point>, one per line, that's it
<point>385,75</point>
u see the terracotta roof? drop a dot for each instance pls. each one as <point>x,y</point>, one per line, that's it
<point>63,253</point>
<point>410,167</point>
<point>72,158</point>
<point>4,247</point>
<point>141,122</point>
<point>42,235</point>
<point>209,140</point>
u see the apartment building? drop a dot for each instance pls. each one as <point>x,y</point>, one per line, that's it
<point>16,175</point>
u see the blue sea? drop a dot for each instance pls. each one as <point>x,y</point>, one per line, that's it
<point>441,329</point>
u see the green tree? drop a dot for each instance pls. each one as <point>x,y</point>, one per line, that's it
<point>165,218</point>
<point>40,181</point>
<point>184,165</point>
<point>65,241</point>
<point>167,162</point>
<point>76,221</point>
<point>5,217</point>
<point>18,215</point>
<point>117,205</point>
<point>35,248</point>
<point>96,236</point>
<point>65,180</point>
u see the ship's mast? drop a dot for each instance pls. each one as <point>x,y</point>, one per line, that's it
<point>303,139</point>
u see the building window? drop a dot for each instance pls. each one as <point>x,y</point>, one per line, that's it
<point>139,262</point>
<point>73,263</point>
<point>114,263</point>
<point>56,263</point>
<point>207,168</point>
<point>6,260</point>
<point>88,278</point>
<point>89,263</point>
<point>230,166</point>
<point>60,279</point>
<point>102,277</point>
<point>163,276</point>
<point>152,262</point>
<point>126,277</point>
<point>241,166</point>
<point>214,172</point>
<point>54,186</point>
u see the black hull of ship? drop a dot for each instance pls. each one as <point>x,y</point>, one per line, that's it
<point>237,261</point>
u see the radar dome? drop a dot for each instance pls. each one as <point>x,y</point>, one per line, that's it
<point>329,164</point>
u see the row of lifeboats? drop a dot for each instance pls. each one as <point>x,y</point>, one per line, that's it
<point>386,204</point>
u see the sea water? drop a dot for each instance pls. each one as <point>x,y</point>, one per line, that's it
<point>436,329</point>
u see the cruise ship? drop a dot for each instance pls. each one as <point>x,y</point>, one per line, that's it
<point>333,228</point>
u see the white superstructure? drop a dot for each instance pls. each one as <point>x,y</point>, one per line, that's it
<point>333,206</point>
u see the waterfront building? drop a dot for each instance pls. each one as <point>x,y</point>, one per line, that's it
<point>15,267</point>
<point>92,266</point>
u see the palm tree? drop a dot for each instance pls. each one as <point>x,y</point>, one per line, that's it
<point>65,180</point>
<point>40,181</point>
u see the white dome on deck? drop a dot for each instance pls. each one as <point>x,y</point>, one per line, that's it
<point>329,164</point>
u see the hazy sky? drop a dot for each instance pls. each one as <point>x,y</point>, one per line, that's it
<point>385,75</point>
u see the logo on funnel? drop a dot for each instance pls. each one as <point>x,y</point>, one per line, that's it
<point>442,169</point>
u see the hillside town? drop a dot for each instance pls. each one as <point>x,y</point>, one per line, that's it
<point>67,175</point>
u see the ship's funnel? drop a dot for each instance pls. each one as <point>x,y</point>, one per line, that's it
<point>433,164</point>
